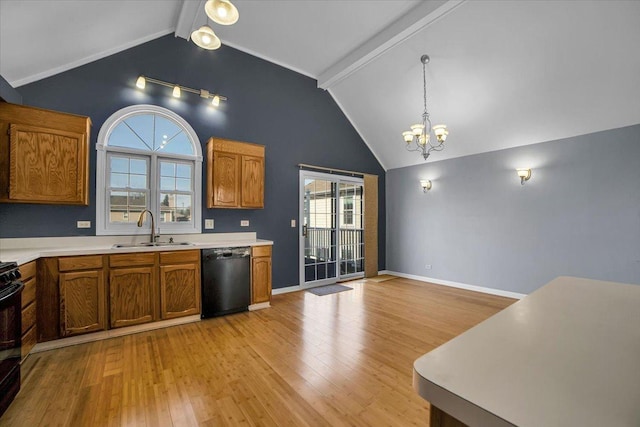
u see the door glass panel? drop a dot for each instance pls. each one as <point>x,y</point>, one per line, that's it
<point>319,219</point>
<point>350,204</point>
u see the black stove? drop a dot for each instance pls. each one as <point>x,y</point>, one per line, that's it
<point>9,277</point>
<point>10,332</point>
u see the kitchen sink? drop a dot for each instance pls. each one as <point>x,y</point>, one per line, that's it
<point>149,244</point>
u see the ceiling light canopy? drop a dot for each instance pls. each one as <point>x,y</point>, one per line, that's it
<point>205,38</point>
<point>420,133</point>
<point>221,12</point>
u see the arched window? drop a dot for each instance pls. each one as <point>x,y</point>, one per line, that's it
<point>148,158</point>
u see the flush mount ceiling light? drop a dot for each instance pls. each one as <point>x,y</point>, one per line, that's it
<point>420,133</point>
<point>205,38</point>
<point>221,12</point>
<point>177,90</point>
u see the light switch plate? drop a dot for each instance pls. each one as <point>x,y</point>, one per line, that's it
<point>244,223</point>
<point>208,224</point>
<point>84,224</point>
<point>293,223</point>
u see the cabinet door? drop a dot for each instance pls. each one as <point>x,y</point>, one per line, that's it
<point>133,296</point>
<point>81,302</point>
<point>46,165</point>
<point>252,193</point>
<point>179,290</point>
<point>226,179</point>
<point>260,280</point>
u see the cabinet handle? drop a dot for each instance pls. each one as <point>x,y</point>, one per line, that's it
<point>304,230</point>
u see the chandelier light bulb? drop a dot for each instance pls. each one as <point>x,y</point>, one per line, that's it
<point>441,132</point>
<point>408,136</point>
<point>417,129</point>
<point>215,101</point>
<point>176,91</point>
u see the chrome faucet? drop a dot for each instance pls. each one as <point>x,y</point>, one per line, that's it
<point>153,224</point>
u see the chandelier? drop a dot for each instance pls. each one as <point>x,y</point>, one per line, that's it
<point>419,137</point>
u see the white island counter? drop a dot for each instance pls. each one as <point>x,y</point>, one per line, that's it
<point>566,355</point>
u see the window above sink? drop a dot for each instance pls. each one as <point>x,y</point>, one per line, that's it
<point>148,158</point>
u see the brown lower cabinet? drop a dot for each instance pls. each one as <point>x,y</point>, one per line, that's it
<point>179,284</point>
<point>89,293</point>
<point>132,289</point>
<point>82,294</point>
<point>260,274</point>
<point>29,328</point>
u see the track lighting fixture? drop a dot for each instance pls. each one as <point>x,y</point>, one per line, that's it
<point>177,90</point>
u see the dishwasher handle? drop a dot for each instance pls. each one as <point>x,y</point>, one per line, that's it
<point>226,253</point>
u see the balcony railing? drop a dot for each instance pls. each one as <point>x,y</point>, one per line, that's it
<point>320,244</point>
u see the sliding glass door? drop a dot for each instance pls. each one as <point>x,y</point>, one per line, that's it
<point>331,228</point>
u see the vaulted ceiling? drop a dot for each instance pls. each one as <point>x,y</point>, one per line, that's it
<point>502,73</point>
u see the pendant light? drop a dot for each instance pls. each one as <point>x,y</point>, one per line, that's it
<point>221,12</point>
<point>205,38</point>
<point>419,137</point>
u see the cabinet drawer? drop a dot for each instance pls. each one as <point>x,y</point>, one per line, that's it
<point>257,251</point>
<point>28,341</point>
<point>29,292</point>
<point>132,259</point>
<point>80,262</point>
<point>28,270</point>
<point>179,257</point>
<point>28,317</point>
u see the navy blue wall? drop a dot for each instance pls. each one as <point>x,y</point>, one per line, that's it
<point>268,104</point>
<point>8,93</point>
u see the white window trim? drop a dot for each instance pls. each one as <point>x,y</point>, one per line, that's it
<point>102,224</point>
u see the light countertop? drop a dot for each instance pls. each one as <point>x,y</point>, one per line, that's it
<point>29,249</point>
<point>566,355</point>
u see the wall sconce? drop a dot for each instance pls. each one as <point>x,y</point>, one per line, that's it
<point>524,175</point>
<point>426,185</point>
<point>177,90</point>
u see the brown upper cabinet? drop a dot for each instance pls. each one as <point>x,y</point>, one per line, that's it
<point>235,174</point>
<point>44,156</point>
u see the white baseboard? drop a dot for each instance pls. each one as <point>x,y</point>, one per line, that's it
<point>286,290</point>
<point>482,289</point>
<point>112,333</point>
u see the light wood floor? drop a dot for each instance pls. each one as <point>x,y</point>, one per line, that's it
<point>338,360</point>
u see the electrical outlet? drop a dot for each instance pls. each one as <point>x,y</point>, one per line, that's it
<point>427,266</point>
<point>84,224</point>
<point>293,223</point>
<point>208,224</point>
<point>244,223</point>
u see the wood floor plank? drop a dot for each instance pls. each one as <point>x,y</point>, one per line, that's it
<point>338,360</point>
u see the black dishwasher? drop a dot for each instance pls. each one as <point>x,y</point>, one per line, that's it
<point>226,281</point>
